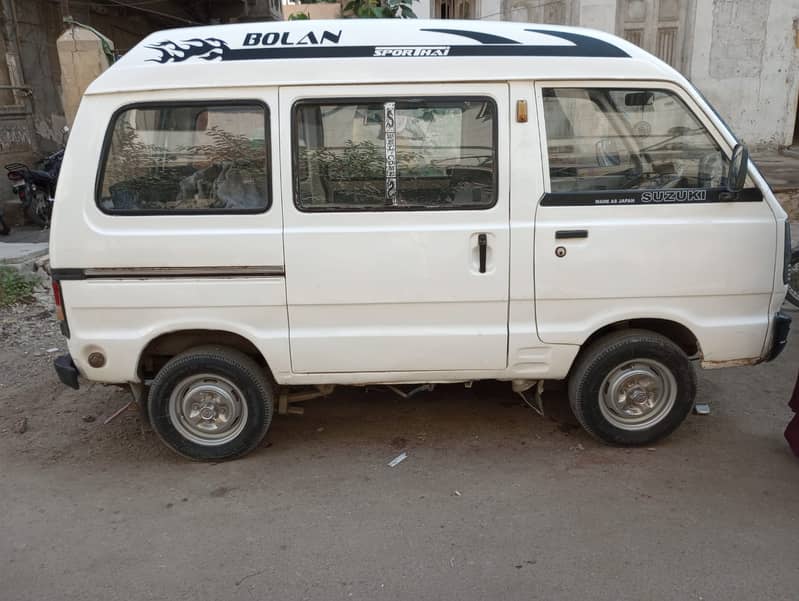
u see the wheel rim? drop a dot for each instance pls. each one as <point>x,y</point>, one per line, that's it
<point>39,205</point>
<point>207,409</point>
<point>637,394</point>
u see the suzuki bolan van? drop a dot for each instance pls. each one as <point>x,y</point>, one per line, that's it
<point>251,214</point>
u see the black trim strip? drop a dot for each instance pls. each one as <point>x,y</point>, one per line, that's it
<point>67,273</point>
<point>76,273</point>
<point>599,50</point>
<point>607,198</point>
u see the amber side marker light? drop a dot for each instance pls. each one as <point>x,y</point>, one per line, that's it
<point>59,301</point>
<point>521,111</point>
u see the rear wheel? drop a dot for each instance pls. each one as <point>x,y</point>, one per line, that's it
<point>211,403</point>
<point>632,387</point>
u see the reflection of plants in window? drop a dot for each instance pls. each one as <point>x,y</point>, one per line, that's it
<point>152,176</point>
<point>361,162</point>
<point>355,174</point>
<point>133,160</point>
<point>226,147</point>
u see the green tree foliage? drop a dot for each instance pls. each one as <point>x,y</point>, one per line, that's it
<point>380,9</point>
<point>368,9</point>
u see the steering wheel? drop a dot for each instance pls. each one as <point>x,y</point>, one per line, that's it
<point>634,173</point>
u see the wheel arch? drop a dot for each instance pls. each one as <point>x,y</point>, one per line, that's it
<point>678,333</point>
<point>160,348</point>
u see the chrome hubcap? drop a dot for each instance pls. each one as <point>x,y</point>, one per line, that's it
<point>637,394</point>
<point>208,409</point>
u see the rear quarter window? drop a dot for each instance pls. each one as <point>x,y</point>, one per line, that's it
<point>190,158</point>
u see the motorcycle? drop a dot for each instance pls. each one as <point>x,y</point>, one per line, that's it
<point>793,279</point>
<point>36,187</point>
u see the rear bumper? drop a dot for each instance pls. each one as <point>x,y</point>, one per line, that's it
<point>66,370</point>
<point>782,325</point>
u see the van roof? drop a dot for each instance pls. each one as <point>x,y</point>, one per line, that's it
<point>373,51</point>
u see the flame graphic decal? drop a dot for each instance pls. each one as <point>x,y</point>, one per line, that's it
<point>171,52</point>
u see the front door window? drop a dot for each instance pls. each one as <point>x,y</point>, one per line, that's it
<point>627,139</point>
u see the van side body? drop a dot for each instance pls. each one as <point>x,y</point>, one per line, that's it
<point>521,266</point>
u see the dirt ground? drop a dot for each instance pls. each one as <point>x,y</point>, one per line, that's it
<point>492,501</point>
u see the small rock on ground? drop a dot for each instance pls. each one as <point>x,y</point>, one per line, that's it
<point>21,425</point>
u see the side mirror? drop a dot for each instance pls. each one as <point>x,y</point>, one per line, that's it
<point>739,168</point>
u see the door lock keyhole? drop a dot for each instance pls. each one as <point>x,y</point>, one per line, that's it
<point>560,252</point>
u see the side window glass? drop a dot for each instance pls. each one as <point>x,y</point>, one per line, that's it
<point>395,154</point>
<point>186,159</point>
<point>620,139</point>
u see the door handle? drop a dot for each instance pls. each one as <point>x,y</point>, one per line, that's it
<point>482,247</point>
<point>564,234</point>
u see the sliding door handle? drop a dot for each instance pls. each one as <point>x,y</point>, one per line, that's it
<point>565,234</point>
<point>482,247</point>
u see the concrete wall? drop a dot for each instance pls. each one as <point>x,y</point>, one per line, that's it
<point>82,58</point>
<point>424,9</point>
<point>598,14</point>
<point>490,10</point>
<point>38,26</point>
<point>746,62</point>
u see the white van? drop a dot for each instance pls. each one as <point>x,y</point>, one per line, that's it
<point>248,208</point>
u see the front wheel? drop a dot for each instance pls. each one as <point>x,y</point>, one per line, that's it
<point>632,388</point>
<point>39,208</point>
<point>211,403</point>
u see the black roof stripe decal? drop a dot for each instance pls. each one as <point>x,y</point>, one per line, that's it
<point>478,36</point>
<point>584,45</point>
<point>211,49</point>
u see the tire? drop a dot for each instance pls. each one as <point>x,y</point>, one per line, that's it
<point>39,209</point>
<point>793,279</point>
<point>649,375</point>
<point>211,403</point>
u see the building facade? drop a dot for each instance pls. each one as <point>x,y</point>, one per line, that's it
<point>31,109</point>
<point>742,54</point>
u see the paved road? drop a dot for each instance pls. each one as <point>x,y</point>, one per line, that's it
<point>493,502</point>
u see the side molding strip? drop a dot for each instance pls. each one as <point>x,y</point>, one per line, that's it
<point>167,272</point>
